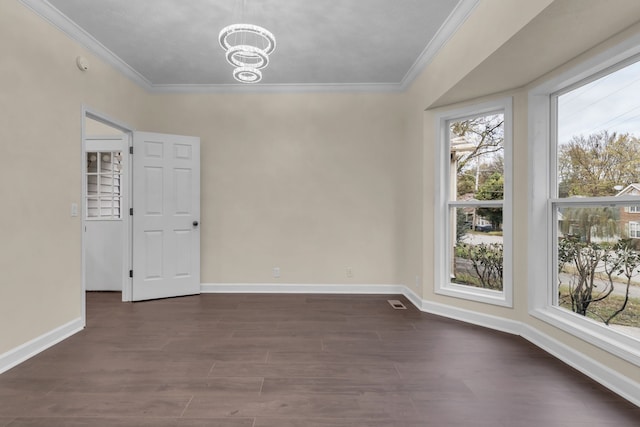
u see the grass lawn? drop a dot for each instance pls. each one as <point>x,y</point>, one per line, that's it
<point>603,309</point>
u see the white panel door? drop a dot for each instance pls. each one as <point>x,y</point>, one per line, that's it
<point>106,212</point>
<point>166,215</point>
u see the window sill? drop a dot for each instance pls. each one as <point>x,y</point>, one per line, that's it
<point>475,294</point>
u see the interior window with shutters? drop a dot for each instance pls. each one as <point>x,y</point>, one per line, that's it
<point>104,196</point>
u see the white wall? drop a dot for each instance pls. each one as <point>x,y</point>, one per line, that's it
<point>40,169</point>
<point>303,182</point>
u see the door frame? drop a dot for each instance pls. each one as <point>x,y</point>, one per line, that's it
<point>126,249</point>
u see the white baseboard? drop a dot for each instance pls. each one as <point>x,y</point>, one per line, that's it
<point>29,349</point>
<point>602,374</point>
<point>292,288</point>
<point>473,317</point>
<point>413,297</point>
<point>609,378</point>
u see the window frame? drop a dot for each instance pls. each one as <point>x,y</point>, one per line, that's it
<point>542,125</point>
<point>103,145</point>
<point>443,204</point>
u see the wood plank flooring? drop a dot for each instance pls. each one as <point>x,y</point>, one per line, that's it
<point>296,361</point>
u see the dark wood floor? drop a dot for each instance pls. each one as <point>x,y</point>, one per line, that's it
<point>296,361</point>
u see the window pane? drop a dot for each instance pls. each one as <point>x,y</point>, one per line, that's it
<point>92,162</point>
<point>92,207</point>
<point>104,171</point>
<point>598,128</point>
<point>117,202</point>
<point>92,185</point>
<point>598,265</point>
<point>477,158</point>
<point>477,253</point>
<point>106,207</point>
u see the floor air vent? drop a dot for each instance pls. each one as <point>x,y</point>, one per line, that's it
<point>397,305</point>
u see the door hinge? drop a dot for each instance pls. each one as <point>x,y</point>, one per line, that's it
<point>131,273</point>
<point>131,150</point>
<point>130,211</point>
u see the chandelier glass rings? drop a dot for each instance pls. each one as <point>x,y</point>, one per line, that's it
<point>248,48</point>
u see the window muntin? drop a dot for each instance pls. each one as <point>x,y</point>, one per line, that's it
<point>104,192</point>
<point>597,157</point>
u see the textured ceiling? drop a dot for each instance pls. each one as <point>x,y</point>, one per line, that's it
<point>319,42</point>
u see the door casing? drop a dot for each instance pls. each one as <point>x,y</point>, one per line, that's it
<point>126,246</point>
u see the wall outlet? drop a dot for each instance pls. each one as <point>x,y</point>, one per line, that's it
<point>417,281</point>
<point>276,272</point>
<point>349,272</point>
<point>74,209</point>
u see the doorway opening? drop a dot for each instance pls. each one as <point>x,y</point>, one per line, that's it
<point>106,197</point>
<point>156,253</point>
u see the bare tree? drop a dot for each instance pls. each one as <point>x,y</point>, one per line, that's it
<point>589,259</point>
<point>592,166</point>
<point>485,132</point>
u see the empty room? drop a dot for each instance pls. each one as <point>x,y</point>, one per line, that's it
<point>338,213</point>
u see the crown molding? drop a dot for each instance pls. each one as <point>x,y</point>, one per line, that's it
<point>455,20</point>
<point>51,14</point>
<point>275,88</point>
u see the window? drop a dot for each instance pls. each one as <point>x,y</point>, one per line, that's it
<point>584,130</point>
<point>473,220</point>
<point>104,196</point>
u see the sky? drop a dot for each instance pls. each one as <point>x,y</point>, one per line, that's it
<point>611,103</point>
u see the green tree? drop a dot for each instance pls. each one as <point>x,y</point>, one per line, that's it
<point>466,184</point>
<point>492,189</point>
<point>592,166</point>
<point>461,225</point>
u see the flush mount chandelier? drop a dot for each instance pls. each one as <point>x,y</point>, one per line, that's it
<point>247,49</point>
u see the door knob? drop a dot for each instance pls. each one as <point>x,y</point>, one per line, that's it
<point>195,223</point>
